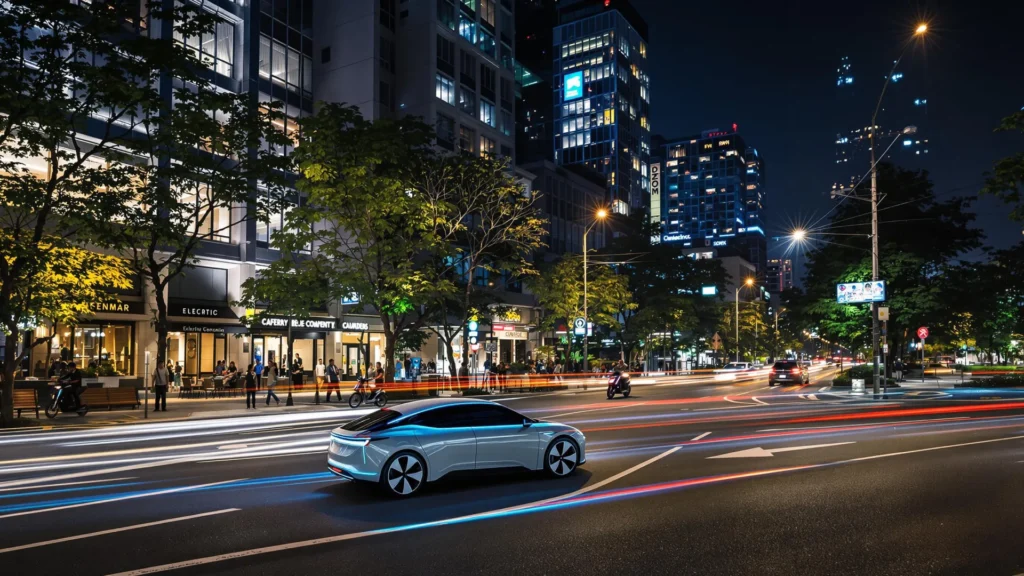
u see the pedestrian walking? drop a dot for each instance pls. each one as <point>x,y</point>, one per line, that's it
<point>320,372</point>
<point>898,369</point>
<point>271,371</point>
<point>161,380</point>
<point>250,388</point>
<point>177,375</point>
<point>332,380</point>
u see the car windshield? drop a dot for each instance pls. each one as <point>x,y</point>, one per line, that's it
<point>785,365</point>
<point>735,366</point>
<point>372,421</point>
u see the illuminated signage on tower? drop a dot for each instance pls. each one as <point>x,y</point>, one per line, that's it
<point>573,87</point>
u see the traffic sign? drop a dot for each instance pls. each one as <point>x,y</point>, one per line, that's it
<point>922,332</point>
<point>716,341</point>
<point>579,326</point>
<point>883,313</point>
<point>491,346</point>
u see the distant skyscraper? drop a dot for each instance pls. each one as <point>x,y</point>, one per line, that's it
<point>905,104</point>
<point>779,275</point>
<point>601,96</point>
<point>711,193</point>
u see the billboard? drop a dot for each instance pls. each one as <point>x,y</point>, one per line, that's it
<point>860,292</point>
<point>573,87</point>
<point>655,193</point>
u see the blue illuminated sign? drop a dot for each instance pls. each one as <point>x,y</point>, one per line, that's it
<point>573,87</point>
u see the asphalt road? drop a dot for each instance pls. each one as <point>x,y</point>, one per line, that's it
<point>686,476</point>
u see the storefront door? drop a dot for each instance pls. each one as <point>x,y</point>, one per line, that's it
<point>353,359</point>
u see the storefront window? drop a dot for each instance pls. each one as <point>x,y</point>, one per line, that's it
<point>109,348</point>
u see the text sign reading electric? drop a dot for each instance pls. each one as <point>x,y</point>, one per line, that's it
<point>860,292</point>
<point>573,87</point>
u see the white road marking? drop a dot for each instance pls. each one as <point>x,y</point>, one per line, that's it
<point>116,530</point>
<point>232,446</point>
<point>755,399</point>
<point>58,485</point>
<point>120,498</point>
<point>597,409</point>
<point>727,399</point>
<point>824,389</point>
<point>759,452</point>
<point>704,435</point>
<point>357,535</point>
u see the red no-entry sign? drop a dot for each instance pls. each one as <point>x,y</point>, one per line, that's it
<point>922,332</point>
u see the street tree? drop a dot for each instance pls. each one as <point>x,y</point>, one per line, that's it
<point>363,229</point>
<point>486,226</point>
<point>78,83</point>
<point>1006,181</point>
<point>920,239</point>
<point>191,176</point>
<point>559,290</point>
<point>666,287</point>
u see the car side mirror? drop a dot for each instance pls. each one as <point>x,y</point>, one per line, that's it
<point>527,422</point>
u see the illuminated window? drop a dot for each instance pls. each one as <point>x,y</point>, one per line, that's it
<point>444,89</point>
<point>216,48</point>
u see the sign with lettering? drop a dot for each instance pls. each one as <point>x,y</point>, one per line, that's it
<point>209,328</point>
<point>281,323</point>
<point>655,193</point>
<point>200,311</point>
<point>117,307</point>
<point>510,333</point>
<point>355,326</point>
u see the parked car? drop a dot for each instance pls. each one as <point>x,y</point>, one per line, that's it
<point>786,371</point>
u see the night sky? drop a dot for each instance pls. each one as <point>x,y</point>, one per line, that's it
<point>771,67</point>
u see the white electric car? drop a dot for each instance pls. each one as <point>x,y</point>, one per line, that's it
<point>405,446</point>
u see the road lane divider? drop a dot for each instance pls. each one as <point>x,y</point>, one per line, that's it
<point>543,505</point>
<point>758,452</point>
<point>116,530</point>
<point>704,435</point>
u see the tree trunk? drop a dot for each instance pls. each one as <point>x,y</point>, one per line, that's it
<point>7,391</point>
<point>390,337</point>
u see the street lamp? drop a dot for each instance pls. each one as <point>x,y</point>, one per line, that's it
<point>918,32</point>
<point>746,284</point>
<point>600,215</point>
<point>799,235</point>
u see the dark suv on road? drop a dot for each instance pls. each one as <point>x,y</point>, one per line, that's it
<point>788,371</point>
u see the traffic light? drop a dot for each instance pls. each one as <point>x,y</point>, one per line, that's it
<point>472,333</point>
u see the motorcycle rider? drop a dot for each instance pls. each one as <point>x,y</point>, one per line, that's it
<point>620,367</point>
<point>73,380</point>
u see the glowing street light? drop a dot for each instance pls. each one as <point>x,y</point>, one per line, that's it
<point>921,29</point>
<point>749,282</point>
<point>600,215</point>
<point>799,234</point>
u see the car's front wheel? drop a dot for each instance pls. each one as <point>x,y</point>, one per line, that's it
<point>404,474</point>
<point>562,457</point>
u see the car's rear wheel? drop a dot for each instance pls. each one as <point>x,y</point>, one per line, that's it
<point>562,457</point>
<point>404,474</point>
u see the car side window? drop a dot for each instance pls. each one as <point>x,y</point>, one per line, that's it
<point>493,415</point>
<point>446,417</point>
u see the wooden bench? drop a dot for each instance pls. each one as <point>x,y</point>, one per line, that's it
<point>26,400</point>
<point>110,397</point>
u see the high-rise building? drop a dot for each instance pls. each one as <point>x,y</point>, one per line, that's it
<point>535,24</point>
<point>905,104</point>
<point>779,275</point>
<point>449,62</point>
<point>601,96</point>
<point>709,192</point>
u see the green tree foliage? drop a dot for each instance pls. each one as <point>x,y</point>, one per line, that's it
<point>364,230</point>
<point>666,289</point>
<point>77,85</point>
<point>185,181</point>
<point>1006,180</point>
<point>486,226</point>
<point>559,290</point>
<point>920,239</point>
